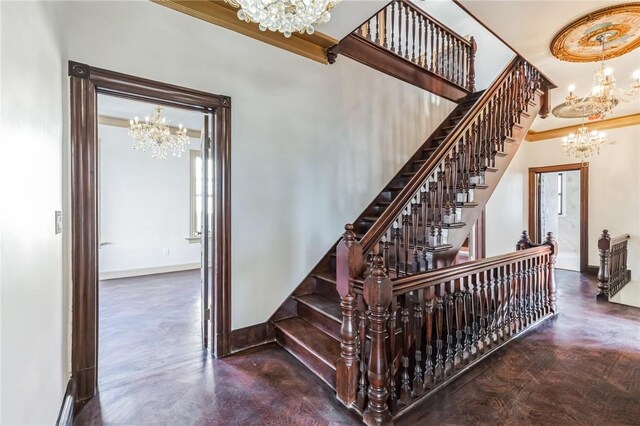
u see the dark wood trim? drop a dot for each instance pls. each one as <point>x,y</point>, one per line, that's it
<point>253,335</point>
<point>65,416</point>
<point>85,84</point>
<point>552,85</point>
<point>534,220</point>
<point>479,238</point>
<point>592,270</point>
<point>377,57</point>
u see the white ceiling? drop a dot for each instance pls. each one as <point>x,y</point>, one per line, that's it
<point>349,15</point>
<point>529,27</point>
<point>113,106</point>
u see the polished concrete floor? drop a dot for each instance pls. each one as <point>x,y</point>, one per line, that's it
<point>581,367</point>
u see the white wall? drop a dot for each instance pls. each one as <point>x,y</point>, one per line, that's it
<point>311,144</point>
<point>34,310</point>
<point>144,207</point>
<point>614,193</point>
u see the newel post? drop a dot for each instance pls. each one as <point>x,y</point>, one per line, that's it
<point>471,86</point>
<point>524,242</point>
<point>604,250</point>
<point>551,277</point>
<point>545,101</point>
<point>348,266</point>
<point>377,295</point>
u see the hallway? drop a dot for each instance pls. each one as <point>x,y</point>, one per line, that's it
<point>578,368</point>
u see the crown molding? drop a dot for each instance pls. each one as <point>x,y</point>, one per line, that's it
<point>220,13</point>
<point>124,123</point>
<point>609,123</point>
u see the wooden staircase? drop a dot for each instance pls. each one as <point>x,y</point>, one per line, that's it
<point>308,324</point>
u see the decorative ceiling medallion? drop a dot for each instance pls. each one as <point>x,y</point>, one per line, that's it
<point>578,41</point>
<point>582,108</point>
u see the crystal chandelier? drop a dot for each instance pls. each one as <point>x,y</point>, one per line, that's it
<point>154,134</point>
<point>285,16</point>
<point>605,95</point>
<point>583,144</point>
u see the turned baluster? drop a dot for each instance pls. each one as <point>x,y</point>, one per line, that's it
<point>396,245</point>
<point>604,252</point>
<point>551,277</point>
<point>509,297</point>
<point>401,8</point>
<point>393,395</point>
<point>428,365</point>
<point>405,387</point>
<point>487,280</point>
<point>502,300</point>
<point>406,238</point>
<point>407,22</point>
<point>490,276</point>
<point>449,306</point>
<point>384,18</point>
<point>432,66</point>
<point>468,318</point>
<point>413,36</point>
<point>368,33</point>
<point>385,252</point>
<point>449,50</point>
<point>471,85</point>
<point>377,39</point>
<point>415,209</point>
<point>422,56</point>
<point>458,355</point>
<point>393,26</point>
<point>349,265</point>
<point>361,397</point>
<point>418,381</point>
<point>439,367</point>
<point>377,293</point>
<point>424,200</point>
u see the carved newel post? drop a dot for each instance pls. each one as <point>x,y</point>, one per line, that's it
<point>551,277</point>
<point>377,295</point>
<point>471,86</point>
<point>349,265</point>
<point>524,242</point>
<point>604,250</point>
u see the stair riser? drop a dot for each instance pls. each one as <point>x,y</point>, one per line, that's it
<point>308,358</point>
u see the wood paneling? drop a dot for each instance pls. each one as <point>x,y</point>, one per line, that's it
<point>220,13</point>
<point>86,83</point>
<point>254,335</point>
<point>534,219</point>
<point>609,123</point>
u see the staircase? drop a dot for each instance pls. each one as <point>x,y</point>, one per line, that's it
<point>312,332</point>
<point>373,299</point>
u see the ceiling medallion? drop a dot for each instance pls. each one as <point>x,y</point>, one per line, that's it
<point>580,40</point>
<point>581,108</point>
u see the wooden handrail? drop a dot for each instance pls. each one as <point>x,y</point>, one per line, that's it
<point>433,278</point>
<point>406,194</point>
<point>619,239</point>
<point>430,18</point>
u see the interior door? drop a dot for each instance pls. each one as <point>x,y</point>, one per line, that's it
<point>206,239</point>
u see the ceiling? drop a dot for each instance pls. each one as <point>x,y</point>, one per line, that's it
<point>113,106</point>
<point>529,27</point>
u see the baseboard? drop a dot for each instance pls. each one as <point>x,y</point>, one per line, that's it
<point>592,270</point>
<point>254,335</point>
<point>65,416</point>
<point>110,275</point>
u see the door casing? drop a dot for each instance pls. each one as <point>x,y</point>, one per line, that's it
<point>86,83</point>
<point>534,208</point>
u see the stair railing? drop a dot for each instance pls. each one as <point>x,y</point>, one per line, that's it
<point>406,30</point>
<point>416,223</point>
<point>612,272</point>
<point>425,330</point>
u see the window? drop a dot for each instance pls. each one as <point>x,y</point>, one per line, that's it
<point>561,195</point>
<point>195,222</point>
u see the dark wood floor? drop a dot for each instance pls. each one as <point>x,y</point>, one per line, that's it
<point>582,367</point>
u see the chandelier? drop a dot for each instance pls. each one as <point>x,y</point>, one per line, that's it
<point>605,95</point>
<point>583,144</point>
<point>285,16</point>
<point>154,134</point>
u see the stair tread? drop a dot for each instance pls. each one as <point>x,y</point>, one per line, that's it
<point>327,276</point>
<point>323,305</point>
<point>312,338</point>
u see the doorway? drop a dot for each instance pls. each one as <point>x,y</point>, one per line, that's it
<point>86,84</point>
<point>558,203</point>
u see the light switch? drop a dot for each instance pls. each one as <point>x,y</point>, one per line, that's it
<point>58,222</point>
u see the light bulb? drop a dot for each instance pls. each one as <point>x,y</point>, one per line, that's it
<point>572,87</point>
<point>636,75</point>
<point>608,71</point>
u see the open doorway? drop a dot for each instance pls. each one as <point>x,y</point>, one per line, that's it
<point>152,277</point>
<point>86,84</point>
<point>558,203</point>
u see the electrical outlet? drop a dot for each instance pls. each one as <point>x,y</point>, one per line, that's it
<point>58,221</point>
<point>165,251</point>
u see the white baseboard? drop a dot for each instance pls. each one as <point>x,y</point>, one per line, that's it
<point>110,275</point>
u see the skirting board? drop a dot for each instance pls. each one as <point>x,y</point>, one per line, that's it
<point>65,417</point>
<point>110,275</point>
<point>254,335</point>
